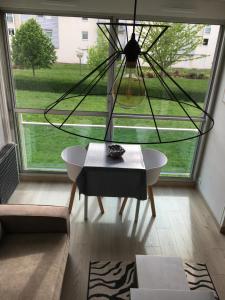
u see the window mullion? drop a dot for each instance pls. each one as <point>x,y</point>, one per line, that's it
<point>111,76</point>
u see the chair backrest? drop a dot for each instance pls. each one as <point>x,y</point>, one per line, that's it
<point>74,158</point>
<point>154,160</point>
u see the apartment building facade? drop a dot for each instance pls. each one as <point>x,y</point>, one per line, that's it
<point>73,36</point>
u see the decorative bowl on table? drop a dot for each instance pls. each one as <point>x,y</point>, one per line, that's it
<point>115,151</point>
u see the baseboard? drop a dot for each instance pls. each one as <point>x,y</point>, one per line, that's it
<point>175,183</point>
<point>43,177</point>
<point>221,229</point>
<point>62,177</point>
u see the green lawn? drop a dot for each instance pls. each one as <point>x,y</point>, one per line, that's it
<point>43,144</point>
<point>53,82</point>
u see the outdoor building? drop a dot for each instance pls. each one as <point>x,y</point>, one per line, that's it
<point>13,22</point>
<point>83,34</point>
<point>209,38</point>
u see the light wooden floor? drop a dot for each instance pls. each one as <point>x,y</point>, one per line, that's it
<point>183,227</point>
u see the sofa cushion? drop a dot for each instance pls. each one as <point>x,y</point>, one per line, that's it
<point>32,265</point>
<point>34,218</point>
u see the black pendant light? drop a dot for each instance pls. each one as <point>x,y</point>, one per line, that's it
<point>130,89</point>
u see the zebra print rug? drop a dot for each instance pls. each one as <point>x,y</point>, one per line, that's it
<point>198,278</point>
<point>113,279</point>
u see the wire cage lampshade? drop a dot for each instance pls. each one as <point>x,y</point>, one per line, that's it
<point>131,94</point>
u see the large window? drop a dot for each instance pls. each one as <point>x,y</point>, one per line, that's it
<point>41,144</point>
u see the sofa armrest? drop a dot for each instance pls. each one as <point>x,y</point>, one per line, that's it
<point>34,218</point>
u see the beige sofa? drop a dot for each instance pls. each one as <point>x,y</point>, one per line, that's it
<point>34,246</point>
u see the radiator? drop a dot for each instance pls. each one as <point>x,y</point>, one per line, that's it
<point>9,176</point>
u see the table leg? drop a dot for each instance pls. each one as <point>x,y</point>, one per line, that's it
<point>137,211</point>
<point>85,207</point>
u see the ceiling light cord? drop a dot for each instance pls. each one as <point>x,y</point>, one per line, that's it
<point>135,12</point>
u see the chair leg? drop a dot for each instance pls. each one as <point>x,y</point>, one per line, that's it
<point>100,204</point>
<point>137,210</point>
<point>85,207</point>
<point>72,195</point>
<point>151,198</point>
<point>123,206</point>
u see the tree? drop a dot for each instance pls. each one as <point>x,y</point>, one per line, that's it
<point>99,52</point>
<point>32,48</point>
<point>175,45</point>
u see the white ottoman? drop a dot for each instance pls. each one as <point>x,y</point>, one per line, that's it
<point>159,272</point>
<point>145,294</point>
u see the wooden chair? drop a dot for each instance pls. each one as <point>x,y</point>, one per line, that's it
<point>74,158</point>
<point>154,160</point>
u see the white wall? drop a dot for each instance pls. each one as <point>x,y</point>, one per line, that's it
<point>212,175</point>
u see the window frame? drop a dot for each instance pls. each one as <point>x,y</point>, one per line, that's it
<point>49,31</point>
<point>11,31</point>
<point>14,111</point>
<point>11,14</point>
<point>83,33</point>
<point>205,42</point>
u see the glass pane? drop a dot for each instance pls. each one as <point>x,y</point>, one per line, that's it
<point>180,154</point>
<point>127,130</point>
<point>59,61</point>
<point>175,71</point>
<point>42,144</point>
<point>180,157</point>
<point>177,61</point>
<point>146,132</point>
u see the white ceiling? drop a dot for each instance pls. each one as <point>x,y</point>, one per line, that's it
<point>206,11</point>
